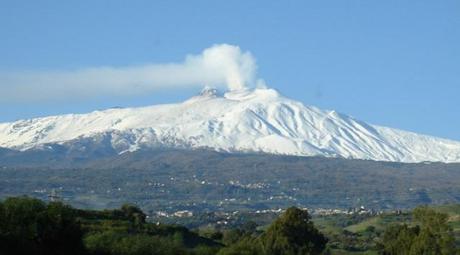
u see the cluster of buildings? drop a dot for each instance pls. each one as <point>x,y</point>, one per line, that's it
<point>350,211</point>
<point>176,214</point>
<point>225,216</point>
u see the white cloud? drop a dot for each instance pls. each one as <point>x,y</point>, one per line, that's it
<point>221,65</point>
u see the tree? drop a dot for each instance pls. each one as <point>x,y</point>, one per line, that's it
<point>134,215</point>
<point>245,246</point>
<point>232,236</point>
<point>60,231</point>
<point>111,242</point>
<point>431,235</point>
<point>436,236</point>
<point>293,233</point>
<point>29,226</point>
<point>398,239</point>
<point>249,227</point>
<point>19,222</point>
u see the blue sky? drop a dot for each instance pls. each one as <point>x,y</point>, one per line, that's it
<point>392,63</point>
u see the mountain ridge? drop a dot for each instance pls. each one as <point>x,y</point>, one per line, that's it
<point>258,120</point>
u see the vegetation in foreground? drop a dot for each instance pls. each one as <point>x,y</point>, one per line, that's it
<point>31,226</point>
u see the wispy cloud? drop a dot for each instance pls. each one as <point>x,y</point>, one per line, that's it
<point>221,65</point>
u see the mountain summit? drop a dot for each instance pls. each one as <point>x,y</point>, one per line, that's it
<point>259,120</point>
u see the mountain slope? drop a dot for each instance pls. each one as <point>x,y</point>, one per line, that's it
<point>260,120</point>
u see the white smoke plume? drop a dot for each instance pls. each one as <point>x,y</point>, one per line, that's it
<point>221,65</point>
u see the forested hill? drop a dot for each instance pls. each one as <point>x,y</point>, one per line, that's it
<point>206,180</point>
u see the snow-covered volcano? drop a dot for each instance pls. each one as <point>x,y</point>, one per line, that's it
<point>259,120</point>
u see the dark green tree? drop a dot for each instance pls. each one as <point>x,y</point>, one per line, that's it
<point>134,215</point>
<point>436,236</point>
<point>115,243</point>
<point>245,246</point>
<point>29,226</point>
<point>249,227</point>
<point>431,235</point>
<point>398,239</point>
<point>293,233</point>
<point>232,236</point>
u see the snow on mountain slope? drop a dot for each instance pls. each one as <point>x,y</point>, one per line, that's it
<point>259,120</point>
